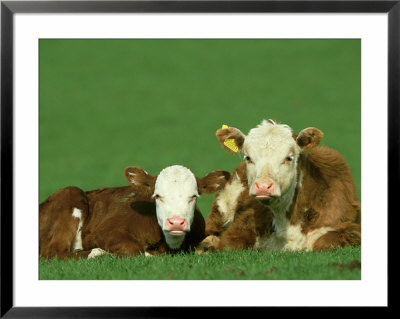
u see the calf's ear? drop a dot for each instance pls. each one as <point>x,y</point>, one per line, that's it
<point>212,182</point>
<point>309,138</point>
<point>140,180</point>
<point>231,139</point>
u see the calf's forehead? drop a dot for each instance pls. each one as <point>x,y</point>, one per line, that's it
<point>176,180</point>
<point>270,138</point>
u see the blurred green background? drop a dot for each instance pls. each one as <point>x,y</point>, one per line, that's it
<point>107,104</point>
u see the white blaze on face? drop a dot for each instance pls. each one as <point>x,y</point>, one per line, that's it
<point>271,154</point>
<point>175,193</point>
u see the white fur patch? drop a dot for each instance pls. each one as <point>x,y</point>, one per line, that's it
<point>127,197</point>
<point>175,185</point>
<point>291,238</point>
<point>77,244</point>
<point>227,199</point>
<point>315,234</point>
<point>300,181</point>
<point>96,252</point>
<point>281,205</point>
<point>295,239</point>
<point>77,213</point>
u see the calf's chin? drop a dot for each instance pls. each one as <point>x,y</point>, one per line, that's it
<point>174,241</point>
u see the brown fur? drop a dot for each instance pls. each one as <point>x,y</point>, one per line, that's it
<point>119,220</point>
<point>309,138</point>
<point>251,219</point>
<point>333,201</point>
<point>212,182</point>
<point>57,228</point>
<point>141,181</point>
<point>327,198</point>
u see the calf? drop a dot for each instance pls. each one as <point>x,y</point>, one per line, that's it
<point>155,214</point>
<point>288,194</point>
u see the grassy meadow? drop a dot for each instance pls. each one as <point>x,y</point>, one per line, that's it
<point>108,104</point>
<point>340,264</point>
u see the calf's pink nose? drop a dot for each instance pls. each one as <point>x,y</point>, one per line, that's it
<point>176,223</point>
<point>263,188</point>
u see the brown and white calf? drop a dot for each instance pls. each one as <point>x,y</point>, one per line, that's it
<point>288,194</point>
<point>155,214</point>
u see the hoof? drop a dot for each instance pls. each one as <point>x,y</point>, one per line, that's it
<point>96,252</point>
<point>210,242</point>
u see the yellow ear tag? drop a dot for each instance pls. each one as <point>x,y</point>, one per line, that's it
<point>230,142</point>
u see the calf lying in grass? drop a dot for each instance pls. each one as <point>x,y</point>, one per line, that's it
<point>155,214</point>
<point>289,194</point>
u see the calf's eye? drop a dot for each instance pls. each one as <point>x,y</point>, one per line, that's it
<point>289,158</point>
<point>248,159</point>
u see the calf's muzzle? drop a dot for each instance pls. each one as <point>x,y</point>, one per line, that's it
<point>263,189</point>
<point>176,225</point>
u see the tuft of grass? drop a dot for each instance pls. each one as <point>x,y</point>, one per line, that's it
<point>339,264</point>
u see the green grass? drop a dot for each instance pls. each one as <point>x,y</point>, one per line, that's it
<point>342,264</point>
<point>108,104</point>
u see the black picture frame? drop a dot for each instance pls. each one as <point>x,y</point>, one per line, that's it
<point>9,8</point>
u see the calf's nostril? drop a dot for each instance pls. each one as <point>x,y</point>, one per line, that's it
<point>263,188</point>
<point>176,221</point>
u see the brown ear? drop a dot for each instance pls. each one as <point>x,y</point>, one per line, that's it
<point>212,182</point>
<point>309,138</point>
<point>140,180</point>
<point>231,133</point>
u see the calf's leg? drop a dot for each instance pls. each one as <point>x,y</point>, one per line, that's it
<point>346,235</point>
<point>240,235</point>
<point>116,242</point>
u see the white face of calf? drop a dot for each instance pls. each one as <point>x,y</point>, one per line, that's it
<point>175,191</point>
<point>271,152</point>
<point>271,155</point>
